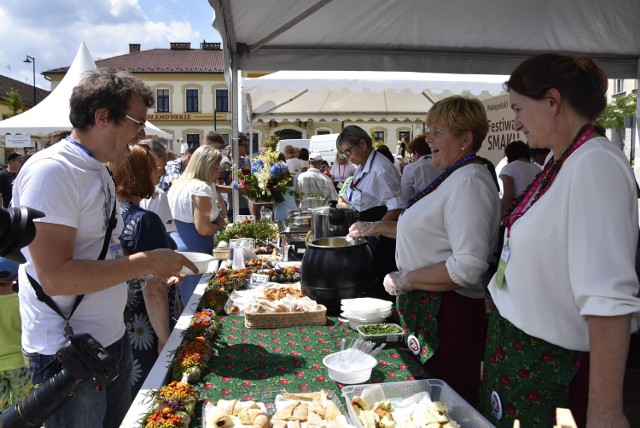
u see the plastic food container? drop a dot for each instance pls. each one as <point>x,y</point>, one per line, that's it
<point>459,410</point>
<point>349,370</point>
<point>395,336</point>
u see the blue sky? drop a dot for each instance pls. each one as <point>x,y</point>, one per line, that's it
<point>51,31</point>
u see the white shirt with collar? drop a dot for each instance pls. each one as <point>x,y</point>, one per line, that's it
<point>417,175</point>
<point>376,184</point>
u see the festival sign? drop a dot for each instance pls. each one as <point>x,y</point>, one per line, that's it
<point>501,128</point>
<point>17,141</point>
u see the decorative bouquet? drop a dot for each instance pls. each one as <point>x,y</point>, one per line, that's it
<point>267,181</point>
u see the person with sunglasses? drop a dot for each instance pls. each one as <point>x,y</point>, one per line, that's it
<point>375,193</point>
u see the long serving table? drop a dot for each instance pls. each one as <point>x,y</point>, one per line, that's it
<point>253,361</point>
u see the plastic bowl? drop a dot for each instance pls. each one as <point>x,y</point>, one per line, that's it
<point>201,260</point>
<point>351,370</point>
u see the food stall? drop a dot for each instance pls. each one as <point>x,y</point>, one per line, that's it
<point>250,364</point>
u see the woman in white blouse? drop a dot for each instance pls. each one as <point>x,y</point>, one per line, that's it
<point>193,202</point>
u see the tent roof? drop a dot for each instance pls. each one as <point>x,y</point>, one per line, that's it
<point>52,113</point>
<point>340,95</point>
<point>457,36</point>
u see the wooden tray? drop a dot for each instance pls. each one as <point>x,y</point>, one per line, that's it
<point>285,319</point>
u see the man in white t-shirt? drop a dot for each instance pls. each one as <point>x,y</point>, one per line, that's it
<point>315,188</point>
<point>70,184</point>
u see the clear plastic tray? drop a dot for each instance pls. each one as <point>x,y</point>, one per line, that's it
<point>380,338</point>
<point>459,410</point>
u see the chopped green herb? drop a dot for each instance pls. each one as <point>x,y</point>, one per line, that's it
<point>380,329</point>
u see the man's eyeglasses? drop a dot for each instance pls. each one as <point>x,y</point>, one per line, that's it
<point>141,123</point>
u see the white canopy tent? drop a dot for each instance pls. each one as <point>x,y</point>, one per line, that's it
<point>52,113</point>
<point>456,36</point>
<point>371,95</point>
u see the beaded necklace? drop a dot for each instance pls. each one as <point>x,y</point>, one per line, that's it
<point>543,181</point>
<point>440,179</point>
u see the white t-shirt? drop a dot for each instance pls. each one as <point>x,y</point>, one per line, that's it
<point>75,190</point>
<point>375,185</point>
<point>457,223</point>
<point>522,174</point>
<point>159,204</point>
<point>573,253</point>
<point>416,176</point>
<point>181,199</point>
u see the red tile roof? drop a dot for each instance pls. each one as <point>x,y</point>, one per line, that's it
<point>162,61</point>
<point>24,89</point>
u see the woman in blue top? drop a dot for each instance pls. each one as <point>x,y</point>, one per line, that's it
<point>152,304</point>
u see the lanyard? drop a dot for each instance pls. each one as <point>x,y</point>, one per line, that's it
<point>83,148</point>
<point>440,179</point>
<point>544,180</point>
<point>354,183</point>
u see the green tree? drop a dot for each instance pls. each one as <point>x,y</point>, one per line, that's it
<point>15,102</point>
<point>620,107</point>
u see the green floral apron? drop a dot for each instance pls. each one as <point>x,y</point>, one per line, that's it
<point>418,313</point>
<point>524,377</point>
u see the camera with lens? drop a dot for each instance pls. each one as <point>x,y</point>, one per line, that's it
<point>82,361</point>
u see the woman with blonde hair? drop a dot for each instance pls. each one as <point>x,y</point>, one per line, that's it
<point>193,201</point>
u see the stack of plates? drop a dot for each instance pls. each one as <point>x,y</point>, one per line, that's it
<point>365,310</point>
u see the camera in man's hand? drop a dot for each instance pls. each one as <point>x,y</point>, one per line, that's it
<point>83,361</point>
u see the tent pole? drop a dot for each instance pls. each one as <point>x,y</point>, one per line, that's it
<point>233,86</point>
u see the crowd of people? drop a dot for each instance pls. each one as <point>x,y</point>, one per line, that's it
<point>558,267</point>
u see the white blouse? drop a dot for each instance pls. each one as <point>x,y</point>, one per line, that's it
<point>181,199</point>
<point>573,253</point>
<point>457,223</point>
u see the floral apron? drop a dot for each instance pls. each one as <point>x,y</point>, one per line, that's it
<point>524,377</point>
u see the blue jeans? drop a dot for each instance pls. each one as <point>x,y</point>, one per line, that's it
<point>89,407</point>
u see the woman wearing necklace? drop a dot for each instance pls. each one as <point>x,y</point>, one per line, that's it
<point>152,304</point>
<point>374,192</point>
<point>566,282</point>
<point>444,242</point>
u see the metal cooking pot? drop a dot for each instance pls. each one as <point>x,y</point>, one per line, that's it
<point>300,219</point>
<point>334,269</point>
<point>332,220</point>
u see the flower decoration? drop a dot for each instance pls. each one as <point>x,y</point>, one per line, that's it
<point>174,406</point>
<point>267,181</point>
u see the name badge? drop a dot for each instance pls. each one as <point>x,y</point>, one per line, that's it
<point>116,250</point>
<point>502,265</point>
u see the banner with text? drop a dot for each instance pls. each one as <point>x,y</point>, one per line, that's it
<point>501,128</point>
<point>17,141</point>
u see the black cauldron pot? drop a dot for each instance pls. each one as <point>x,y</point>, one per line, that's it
<point>334,269</point>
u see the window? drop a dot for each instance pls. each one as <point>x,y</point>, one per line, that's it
<point>378,135</point>
<point>222,100</point>
<point>192,100</point>
<point>162,102</point>
<point>323,132</point>
<point>193,140</point>
<point>618,86</point>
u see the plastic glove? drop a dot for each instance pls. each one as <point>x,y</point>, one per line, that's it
<point>361,229</point>
<point>397,283</point>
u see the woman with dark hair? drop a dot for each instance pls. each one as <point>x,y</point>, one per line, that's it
<point>566,283</point>
<point>152,304</point>
<point>375,193</point>
<point>518,173</point>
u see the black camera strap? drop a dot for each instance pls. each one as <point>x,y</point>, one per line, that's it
<point>43,297</point>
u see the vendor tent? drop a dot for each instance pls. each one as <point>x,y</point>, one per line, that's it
<point>340,95</point>
<point>52,113</point>
<point>456,36</point>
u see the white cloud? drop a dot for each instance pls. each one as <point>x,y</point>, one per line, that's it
<point>51,31</point>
